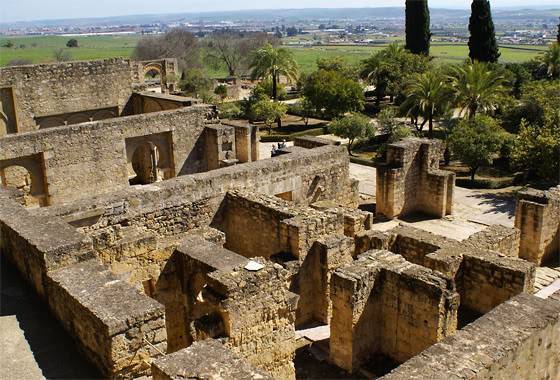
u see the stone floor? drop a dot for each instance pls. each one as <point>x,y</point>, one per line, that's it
<point>17,360</point>
<point>53,349</point>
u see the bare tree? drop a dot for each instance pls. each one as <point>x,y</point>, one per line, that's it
<point>61,55</point>
<point>177,43</point>
<point>233,49</point>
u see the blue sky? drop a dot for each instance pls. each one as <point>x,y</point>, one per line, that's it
<point>16,10</point>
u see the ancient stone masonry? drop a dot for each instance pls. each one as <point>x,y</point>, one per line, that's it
<point>384,304</point>
<point>165,248</point>
<point>252,309</point>
<point>537,215</point>
<point>411,181</point>
<point>203,360</point>
<point>519,339</point>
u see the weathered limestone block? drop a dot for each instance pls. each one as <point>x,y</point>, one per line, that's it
<point>38,244</point>
<point>258,313</point>
<point>384,304</point>
<point>119,329</point>
<point>310,142</point>
<point>257,224</point>
<point>212,295</point>
<point>220,146</point>
<point>519,339</point>
<point>410,180</point>
<point>414,244</point>
<point>207,359</point>
<point>368,240</point>
<point>314,277</point>
<point>486,280</point>
<point>537,215</point>
<point>57,88</point>
<point>496,237</point>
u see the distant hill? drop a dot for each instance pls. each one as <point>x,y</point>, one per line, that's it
<point>288,16</point>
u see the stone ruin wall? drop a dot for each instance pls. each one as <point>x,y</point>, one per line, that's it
<point>115,326</point>
<point>91,158</point>
<point>386,305</point>
<point>135,231</point>
<point>519,339</point>
<point>53,89</point>
<point>537,215</point>
<point>411,181</point>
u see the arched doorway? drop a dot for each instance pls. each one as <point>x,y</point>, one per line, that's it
<point>145,161</point>
<point>19,178</point>
<point>153,77</point>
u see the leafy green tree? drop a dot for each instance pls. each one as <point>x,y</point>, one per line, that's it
<point>269,111</point>
<point>389,69</point>
<point>303,108</point>
<point>195,82</point>
<point>477,141</point>
<point>8,44</point>
<point>551,61</point>
<point>476,87</point>
<point>391,126</point>
<point>517,75</point>
<point>353,126</point>
<point>536,149</point>
<point>333,94</point>
<point>482,41</point>
<point>558,33</point>
<point>338,64</point>
<point>427,95</point>
<point>540,99</point>
<point>264,87</point>
<point>72,43</point>
<point>221,91</point>
<point>418,26</point>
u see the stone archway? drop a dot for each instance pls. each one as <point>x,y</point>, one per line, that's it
<point>26,174</point>
<point>153,75</point>
<point>150,158</point>
<point>145,161</point>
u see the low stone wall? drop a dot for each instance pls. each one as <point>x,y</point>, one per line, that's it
<point>521,341</point>
<point>379,302</point>
<point>59,88</point>
<point>118,329</point>
<point>310,142</point>
<point>537,215</point>
<point>92,158</point>
<point>205,359</point>
<point>113,324</point>
<point>38,244</point>
<point>189,202</point>
<point>410,181</point>
<point>486,281</point>
<point>251,309</point>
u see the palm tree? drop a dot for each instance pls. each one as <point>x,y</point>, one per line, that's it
<point>427,95</point>
<point>551,61</point>
<point>269,62</point>
<point>476,87</point>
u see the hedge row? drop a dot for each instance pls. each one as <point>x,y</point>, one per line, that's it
<point>486,183</point>
<point>292,136</point>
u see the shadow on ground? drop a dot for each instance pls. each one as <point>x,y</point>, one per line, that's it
<point>54,350</point>
<point>502,203</point>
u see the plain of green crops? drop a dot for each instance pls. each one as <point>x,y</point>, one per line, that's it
<point>40,49</point>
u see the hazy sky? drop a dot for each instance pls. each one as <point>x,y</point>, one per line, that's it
<point>16,10</point>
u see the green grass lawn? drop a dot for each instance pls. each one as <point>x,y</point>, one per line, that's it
<point>40,49</point>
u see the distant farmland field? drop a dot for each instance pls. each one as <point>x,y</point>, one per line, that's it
<point>39,49</point>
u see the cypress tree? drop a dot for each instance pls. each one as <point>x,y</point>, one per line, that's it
<point>418,26</point>
<point>558,35</point>
<point>482,41</point>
